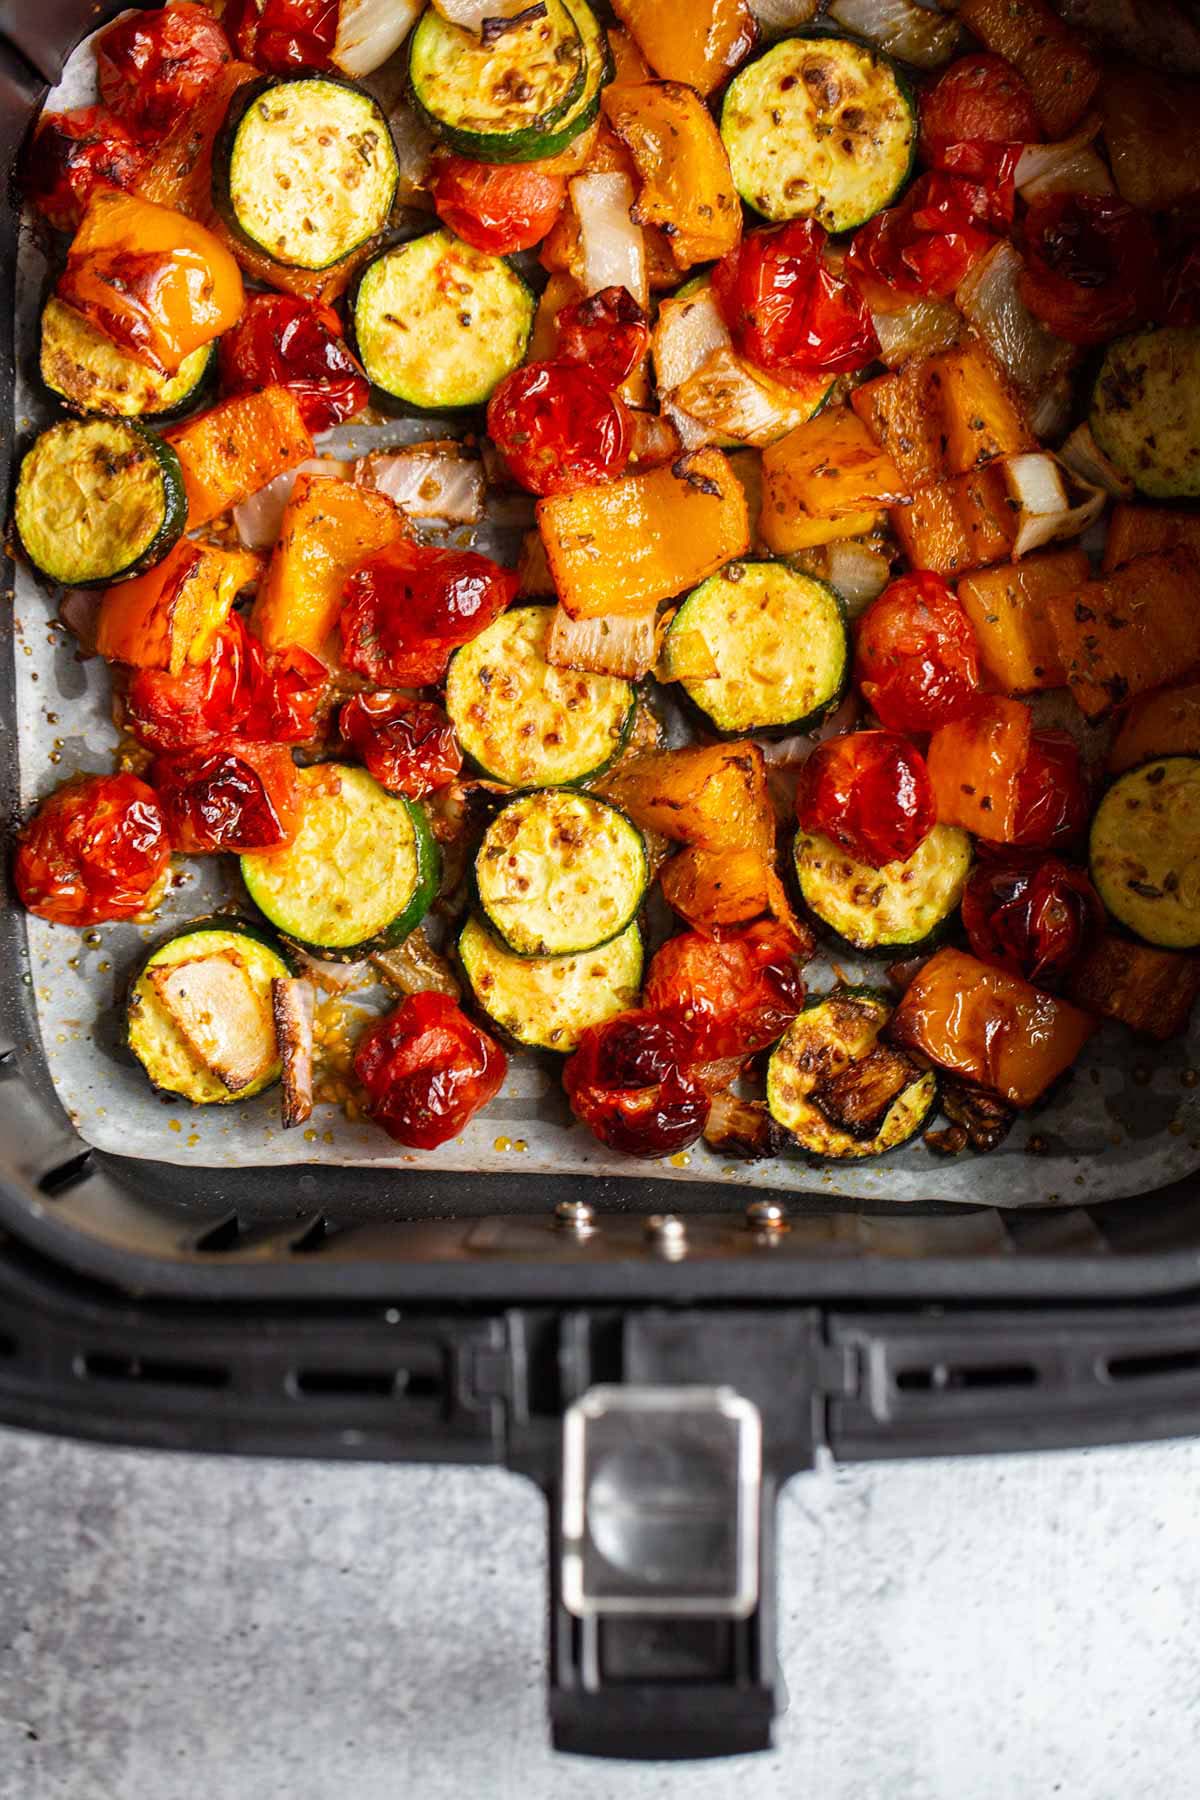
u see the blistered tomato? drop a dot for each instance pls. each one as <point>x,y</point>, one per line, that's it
<point>236,796</point>
<point>916,656</point>
<point>979,97</point>
<point>155,66</point>
<point>1091,266</point>
<point>787,312</point>
<point>558,427</point>
<point>870,793</point>
<point>732,995</point>
<point>1053,799</point>
<point>96,849</point>
<point>409,746</point>
<point>409,607</point>
<point>632,1083</point>
<point>71,156</point>
<point>427,1070</point>
<point>296,344</point>
<point>497,207</point>
<point>1033,915</point>
<point>203,701</point>
<point>282,35</point>
<point>608,333</point>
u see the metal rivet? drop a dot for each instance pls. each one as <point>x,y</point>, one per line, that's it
<point>668,1233</point>
<point>576,1216</point>
<point>766,1216</point>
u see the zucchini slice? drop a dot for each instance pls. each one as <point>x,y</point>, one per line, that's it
<point>200,1018</point>
<point>94,375</point>
<point>507,100</point>
<point>438,324</point>
<point>820,128</point>
<point>99,500</point>
<point>778,640</point>
<point>360,874</point>
<point>305,168</point>
<point>898,907</point>
<point>840,1093</point>
<point>525,723</point>
<point>559,873</point>
<point>1145,851</point>
<point>1146,410</point>
<point>548,1002</point>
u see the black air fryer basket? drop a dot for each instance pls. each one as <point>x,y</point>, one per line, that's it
<point>658,1376</point>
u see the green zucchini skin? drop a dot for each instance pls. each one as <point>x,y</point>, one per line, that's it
<point>93,375</point>
<point>436,363</point>
<point>500,685</point>
<point>839,1028</point>
<point>240,193</point>
<point>820,127</point>
<point>546,1003</point>
<point>904,907</point>
<point>1146,410</point>
<point>511,101</point>
<point>361,873</point>
<point>560,873</point>
<point>99,500</point>
<point>1143,841</point>
<point>149,1033</point>
<point>758,615</point>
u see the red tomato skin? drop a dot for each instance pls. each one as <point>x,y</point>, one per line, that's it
<point>1053,798</point>
<point>732,995</point>
<point>286,694</point>
<point>893,254</point>
<point>153,66</point>
<point>630,1081</point>
<point>497,207</point>
<point>788,314</point>
<point>204,701</point>
<point>1031,914</point>
<point>409,746</point>
<point>1091,266</point>
<point>608,333</point>
<point>558,428</point>
<point>427,1071</point>
<point>94,851</point>
<point>297,344</point>
<point>980,96</point>
<point>235,796</point>
<point>870,793</point>
<point>73,155</point>
<point>408,608</point>
<point>286,35</point>
<point>916,655</point>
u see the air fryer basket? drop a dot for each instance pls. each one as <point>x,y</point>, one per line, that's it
<point>569,1330</point>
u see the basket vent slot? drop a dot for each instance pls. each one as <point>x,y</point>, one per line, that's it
<point>1154,1362</point>
<point>65,1175</point>
<point>219,1237</point>
<point>107,1365</point>
<point>367,1384</point>
<point>943,1377</point>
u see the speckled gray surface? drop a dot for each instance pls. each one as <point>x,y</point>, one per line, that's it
<point>176,1628</point>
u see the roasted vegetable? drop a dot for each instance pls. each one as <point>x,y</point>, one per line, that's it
<point>828,467</point>
<point>99,500</point>
<point>836,1090</point>
<point>329,527</point>
<point>943,415</point>
<point>559,873</point>
<point>1132,630</point>
<point>699,44</point>
<point>1152,133</point>
<point>975,763</point>
<point>1138,530</point>
<point>1009,608</point>
<point>1142,851</point>
<point>548,1002</point>
<point>1151,991</point>
<point>898,906</point>
<point>232,451</point>
<point>713,796</point>
<point>953,527</point>
<point>1146,410</point>
<point>170,616</point>
<point>686,185</point>
<point>1165,722</point>
<point>1061,73</point>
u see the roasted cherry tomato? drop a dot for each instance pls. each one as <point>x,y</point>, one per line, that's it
<point>409,607</point>
<point>980,96</point>
<point>950,201</point>
<point>1091,266</point>
<point>71,155</point>
<point>916,656</point>
<point>154,67</point>
<point>203,701</point>
<point>558,427</point>
<point>409,746</point>
<point>733,994</point>
<point>893,254</point>
<point>286,693</point>
<point>281,35</point>
<point>236,796</point>
<point>427,1071</point>
<point>498,207</point>
<point>789,314</point>
<point>608,332</point>
<point>870,792</point>
<point>298,344</point>
<point>632,1084</point>
<point>1031,914</point>
<point>96,849</point>
<point>992,170</point>
<point>1053,801</point>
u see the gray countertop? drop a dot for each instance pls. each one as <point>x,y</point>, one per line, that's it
<point>174,1628</point>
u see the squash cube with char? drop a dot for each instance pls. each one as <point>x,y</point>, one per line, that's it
<point>1008,606</point>
<point>1132,630</point>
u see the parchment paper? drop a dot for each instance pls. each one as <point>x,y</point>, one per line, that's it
<point>1127,1122</point>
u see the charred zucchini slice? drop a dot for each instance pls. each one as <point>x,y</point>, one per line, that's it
<point>1146,410</point>
<point>438,324</point>
<point>820,128</point>
<point>559,873</point>
<point>99,500</point>
<point>305,168</point>
<point>507,99</point>
<point>361,872</point>
<point>200,1018</point>
<point>1145,851</point>
<point>526,723</point>
<point>94,375</point>
<point>840,1093</point>
<point>548,1002</point>
<point>902,906</point>
<point>778,640</point>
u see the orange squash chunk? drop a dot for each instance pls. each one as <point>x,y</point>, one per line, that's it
<point>1137,530</point>
<point>898,413</point>
<point>1061,73</point>
<point>170,616</point>
<point>699,42</point>
<point>234,449</point>
<point>974,764</point>
<point>712,889</point>
<point>712,795</point>
<point>626,545</point>
<point>179,172</point>
<point>954,527</point>
<point>828,466</point>
<point>329,527</point>
<point>978,413</point>
<point>1008,607</point>
<point>1150,990</point>
<point>1130,631</point>
<point>682,166</point>
<point>1165,723</point>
